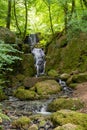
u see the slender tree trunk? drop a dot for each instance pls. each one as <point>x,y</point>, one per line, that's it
<point>51,24</point>
<point>16,19</point>
<point>66,16</point>
<point>26,18</point>
<point>50,16</point>
<point>8,22</point>
<point>72,10</point>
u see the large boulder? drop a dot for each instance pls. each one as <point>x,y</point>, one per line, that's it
<point>24,94</point>
<point>45,88</point>
<point>63,117</point>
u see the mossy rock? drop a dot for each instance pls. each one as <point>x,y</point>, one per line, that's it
<point>27,65</point>
<point>63,117</point>
<point>26,48</point>
<point>22,123</point>
<point>69,126</point>
<point>2,95</point>
<point>17,81</point>
<point>68,58</point>
<point>79,78</point>
<point>33,127</point>
<point>6,35</point>
<point>46,88</point>
<point>24,94</point>
<point>63,103</point>
<point>64,76</point>
<point>73,85</point>
<point>52,73</point>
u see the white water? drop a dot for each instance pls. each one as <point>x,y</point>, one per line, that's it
<point>43,110</point>
<point>39,57</point>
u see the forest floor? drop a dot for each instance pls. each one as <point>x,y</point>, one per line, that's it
<point>81,93</point>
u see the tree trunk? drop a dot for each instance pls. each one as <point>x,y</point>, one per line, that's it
<point>66,16</point>
<point>26,18</point>
<point>51,24</point>
<point>16,19</point>
<point>8,22</point>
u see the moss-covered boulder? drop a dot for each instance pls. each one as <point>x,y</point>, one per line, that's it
<point>63,103</point>
<point>6,35</point>
<point>45,88</point>
<point>63,117</point>
<point>22,123</point>
<point>69,126</point>
<point>24,94</point>
<point>27,65</point>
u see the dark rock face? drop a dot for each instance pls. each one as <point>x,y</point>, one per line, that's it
<point>68,58</point>
<point>6,35</point>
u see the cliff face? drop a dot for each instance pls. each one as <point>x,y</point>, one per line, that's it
<point>68,56</point>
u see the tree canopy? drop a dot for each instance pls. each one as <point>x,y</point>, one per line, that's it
<point>45,16</point>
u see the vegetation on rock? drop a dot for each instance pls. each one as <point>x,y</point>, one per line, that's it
<point>22,123</point>
<point>63,103</point>
<point>46,88</point>
<point>63,117</point>
<point>24,94</point>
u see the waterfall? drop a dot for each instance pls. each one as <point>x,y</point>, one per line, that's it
<point>39,57</point>
<point>38,53</point>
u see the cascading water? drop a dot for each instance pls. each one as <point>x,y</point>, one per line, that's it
<point>38,53</point>
<point>39,57</point>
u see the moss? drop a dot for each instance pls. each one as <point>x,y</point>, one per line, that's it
<point>66,116</point>
<point>71,57</point>
<point>46,88</point>
<point>62,103</point>
<point>26,48</point>
<point>24,94</point>
<point>73,85</point>
<point>53,73</point>
<point>65,76</point>
<point>22,123</point>
<point>27,64</point>
<point>33,127</point>
<point>79,78</point>
<point>2,95</point>
<point>69,126</point>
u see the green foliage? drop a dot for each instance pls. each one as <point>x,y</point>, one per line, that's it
<point>7,57</point>
<point>3,116</point>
